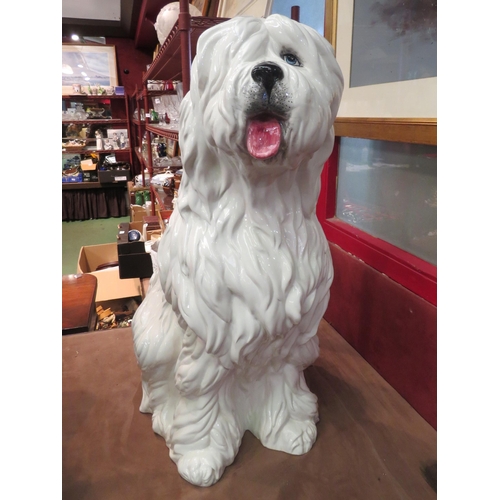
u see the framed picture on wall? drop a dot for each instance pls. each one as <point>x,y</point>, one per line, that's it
<point>88,65</point>
<point>390,70</point>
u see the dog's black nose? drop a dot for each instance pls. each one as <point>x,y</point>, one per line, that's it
<point>267,74</point>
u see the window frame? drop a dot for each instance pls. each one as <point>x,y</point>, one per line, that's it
<point>408,270</point>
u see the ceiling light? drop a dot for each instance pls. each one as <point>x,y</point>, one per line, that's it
<point>75,38</point>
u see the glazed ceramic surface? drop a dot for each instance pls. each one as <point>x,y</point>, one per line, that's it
<point>167,17</point>
<point>243,272</point>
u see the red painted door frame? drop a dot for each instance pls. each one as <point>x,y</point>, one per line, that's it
<point>406,269</point>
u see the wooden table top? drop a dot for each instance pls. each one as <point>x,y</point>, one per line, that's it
<point>78,303</point>
<point>371,445</point>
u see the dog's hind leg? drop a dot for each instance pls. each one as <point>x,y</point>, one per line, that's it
<point>157,343</point>
<point>205,435</point>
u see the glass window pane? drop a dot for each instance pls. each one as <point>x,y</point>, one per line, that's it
<point>389,190</point>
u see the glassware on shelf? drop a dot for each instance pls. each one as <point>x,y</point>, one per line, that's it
<point>154,147</point>
<point>79,112</point>
<point>153,116</point>
<point>96,113</point>
<point>167,161</point>
<point>162,120</point>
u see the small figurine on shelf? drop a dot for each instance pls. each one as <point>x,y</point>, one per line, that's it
<point>123,142</point>
<point>115,141</point>
<point>98,136</point>
<point>73,130</point>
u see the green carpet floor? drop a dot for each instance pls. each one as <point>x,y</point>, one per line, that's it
<point>76,234</point>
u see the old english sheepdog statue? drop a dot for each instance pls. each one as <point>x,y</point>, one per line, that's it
<point>243,271</point>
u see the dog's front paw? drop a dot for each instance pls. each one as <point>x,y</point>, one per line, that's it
<point>201,467</point>
<point>295,437</point>
<point>298,437</point>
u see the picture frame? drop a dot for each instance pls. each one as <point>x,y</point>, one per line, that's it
<point>233,8</point>
<point>115,137</point>
<point>88,65</point>
<point>171,147</point>
<point>111,132</point>
<point>413,99</point>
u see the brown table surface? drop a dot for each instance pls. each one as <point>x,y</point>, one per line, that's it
<point>371,443</point>
<point>78,303</point>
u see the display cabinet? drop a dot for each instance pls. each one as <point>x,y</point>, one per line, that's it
<point>155,143</point>
<point>96,156</point>
<point>171,65</point>
<point>97,124</point>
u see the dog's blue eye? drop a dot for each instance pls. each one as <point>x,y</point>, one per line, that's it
<point>291,59</point>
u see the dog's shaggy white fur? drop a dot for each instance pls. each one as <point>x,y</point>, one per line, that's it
<point>244,270</point>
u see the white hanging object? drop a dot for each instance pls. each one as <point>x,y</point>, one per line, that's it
<point>167,17</point>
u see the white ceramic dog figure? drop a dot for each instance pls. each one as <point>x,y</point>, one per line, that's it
<point>244,270</point>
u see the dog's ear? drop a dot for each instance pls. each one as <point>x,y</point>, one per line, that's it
<point>218,45</point>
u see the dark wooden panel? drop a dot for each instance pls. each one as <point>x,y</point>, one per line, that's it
<point>78,303</point>
<point>391,327</point>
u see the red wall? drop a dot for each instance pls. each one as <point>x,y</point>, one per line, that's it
<point>394,329</point>
<point>131,59</point>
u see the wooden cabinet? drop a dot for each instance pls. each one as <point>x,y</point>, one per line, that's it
<point>96,126</point>
<point>96,156</point>
<point>156,142</point>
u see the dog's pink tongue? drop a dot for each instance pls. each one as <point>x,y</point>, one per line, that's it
<point>263,138</point>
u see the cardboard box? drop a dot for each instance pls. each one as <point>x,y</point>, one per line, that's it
<point>86,165</point>
<point>151,234</point>
<point>137,214</point>
<point>127,226</point>
<point>109,284</point>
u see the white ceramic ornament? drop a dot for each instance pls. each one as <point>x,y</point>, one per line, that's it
<point>167,17</point>
<point>244,270</point>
